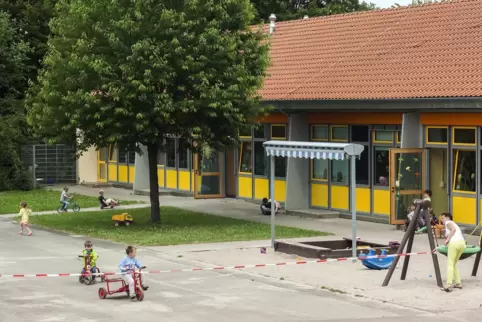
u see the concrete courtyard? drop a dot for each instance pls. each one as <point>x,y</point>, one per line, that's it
<point>342,291</point>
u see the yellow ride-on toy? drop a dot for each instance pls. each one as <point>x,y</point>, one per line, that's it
<point>123,218</point>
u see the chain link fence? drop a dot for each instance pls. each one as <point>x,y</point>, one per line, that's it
<point>50,164</point>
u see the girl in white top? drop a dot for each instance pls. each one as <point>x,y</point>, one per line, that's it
<point>456,246</point>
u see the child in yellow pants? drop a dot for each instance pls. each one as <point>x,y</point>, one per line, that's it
<point>456,246</point>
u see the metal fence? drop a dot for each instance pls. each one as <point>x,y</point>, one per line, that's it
<point>51,164</point>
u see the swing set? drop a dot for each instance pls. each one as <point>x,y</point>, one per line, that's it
<point>407,241</point>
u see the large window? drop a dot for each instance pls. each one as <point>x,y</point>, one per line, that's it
<point>320,169</point>
<point>360,133</point>
<point>362,167</point>
<point>339,133</point>
<point>320,132</point>
<point>381,161</point>
<point>260,160</point>
<point>183,154</point>
<point>436,135</point>
<point>464,170</point>
<point>171,153</point>
<point>278,132</point>
<point>245,164</point>
<point>464,135</point>
<point>131,157</point>
<point>259,132</point>
<point>113,154</point>
<point>382,136</point>
<point>161,158</point>
<point>122,155</point>
<point>339,171</point>
<point>280,167</point>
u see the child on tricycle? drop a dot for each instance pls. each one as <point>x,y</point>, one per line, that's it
<point>130,278</point>
<point>90,265</point>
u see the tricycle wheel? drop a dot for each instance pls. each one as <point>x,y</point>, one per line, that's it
<point>81,279</point>
<point>102,293</point>
<point>140,295</point>
<point>88,280</point>
<point>76,208</point>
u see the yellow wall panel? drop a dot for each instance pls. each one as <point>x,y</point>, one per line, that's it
<point>112,172</point>
<point>123,173</point>
<point>319,195</point>
<point>184,180</point>
<point>171,179</point>
<point>464,210</point>
<point>192,180</point>
<point>363,200</point>
<point>280,190</point>
<point>132,170</point>
<point>339,197</point>
<point>261,188</point>
<point>160,177</point>
<point>381,202</point>
<point>245,187</point>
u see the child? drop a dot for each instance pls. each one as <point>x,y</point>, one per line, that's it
<point>24,214</point>
<point>104,203</point>
<point>64,196</point>
<point>89,251</point>
<point>266,207</point>
<point>127,267</point>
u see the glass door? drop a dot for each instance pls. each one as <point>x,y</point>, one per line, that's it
<point>102,165</point>
<point>207,176</point>
<point>407,181</point>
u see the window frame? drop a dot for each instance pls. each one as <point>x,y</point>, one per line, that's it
<point>241,158</point>
<point>427,142</point>
<point>374,136</point>
<point>454,171</point>
<point>398,137</point>
<point>312,171</point>
<point>332,127</point>
<point>278,137</point>
<point>246,136</point>
<point>312,138</point>
<point>464,128</point>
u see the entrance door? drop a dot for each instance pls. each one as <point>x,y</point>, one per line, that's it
<point>102,165</point>
<point>207,176</point>
<point>437,160</point>
<point>407,181</point>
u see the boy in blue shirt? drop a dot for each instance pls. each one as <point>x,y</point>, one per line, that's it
<point>127,267</point>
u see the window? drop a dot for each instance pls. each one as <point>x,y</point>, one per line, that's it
<point>170,153</point>
<point>183,154</point>
<point>278,132</point>
<point>122,155</point>
<point>260,160</point>
<point>381,165</point>
<point>339,133</point>
<point>161,158</point>
<point>436,135</point>
<point>131,157</point>
<point>464,135</point>
<point>259,132</point>
<point>464,171</point>
<point>320,132</point>
<point>360,133</point>
<point>320,169</point>
<point>245,157</point>
<point>103,154</point>
<point>245,132</point>
<point>113,153</point>
<point>362,167</point>
<point>280,167</point>
<point>339,171</point>
<point>383,136</point>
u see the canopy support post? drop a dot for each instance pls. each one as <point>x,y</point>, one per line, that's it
<point>271,184</point>
<point>353,206</point>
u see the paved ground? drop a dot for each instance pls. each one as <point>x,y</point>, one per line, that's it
<point>316,292</point>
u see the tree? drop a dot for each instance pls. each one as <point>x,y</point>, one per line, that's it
<point>13,80</point>
<point>297,9</point>
<point>138,71</point>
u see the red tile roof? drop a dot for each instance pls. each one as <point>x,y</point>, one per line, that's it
<point>425,51</point>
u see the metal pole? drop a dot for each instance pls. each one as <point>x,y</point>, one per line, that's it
<point>353,205</point>
<point>271,183</point>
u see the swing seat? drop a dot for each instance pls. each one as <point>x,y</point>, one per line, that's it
<point>468,251</point>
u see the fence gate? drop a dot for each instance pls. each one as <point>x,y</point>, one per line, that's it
<point>51,164</point>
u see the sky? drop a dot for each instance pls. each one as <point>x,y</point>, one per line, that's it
<point>389,3</point>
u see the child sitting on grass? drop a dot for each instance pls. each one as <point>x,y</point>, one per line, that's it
<point>24,215</point>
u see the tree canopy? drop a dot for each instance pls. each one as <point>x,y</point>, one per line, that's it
<point>297,9</point>
<point>138,71</point>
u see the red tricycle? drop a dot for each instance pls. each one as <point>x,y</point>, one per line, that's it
<point>138,286</point>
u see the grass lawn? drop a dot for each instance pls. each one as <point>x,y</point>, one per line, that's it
<point>42,200</point>
<point>178,227</point>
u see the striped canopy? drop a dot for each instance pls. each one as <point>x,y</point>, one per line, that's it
<point>312,150</point>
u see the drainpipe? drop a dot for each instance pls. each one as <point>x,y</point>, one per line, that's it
<point>272,23</point>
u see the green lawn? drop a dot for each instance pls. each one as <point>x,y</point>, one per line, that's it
<point>178,227</point>
<point>42,200</point>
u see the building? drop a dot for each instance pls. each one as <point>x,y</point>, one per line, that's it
<point>406,83</point>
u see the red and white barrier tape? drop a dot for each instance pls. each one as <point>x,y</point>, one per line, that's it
<point>217,268</point>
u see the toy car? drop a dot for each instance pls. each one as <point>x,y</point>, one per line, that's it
<point>123,218</point>
<point>138,286</point>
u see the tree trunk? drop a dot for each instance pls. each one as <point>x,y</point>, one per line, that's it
<point>152,151</point>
